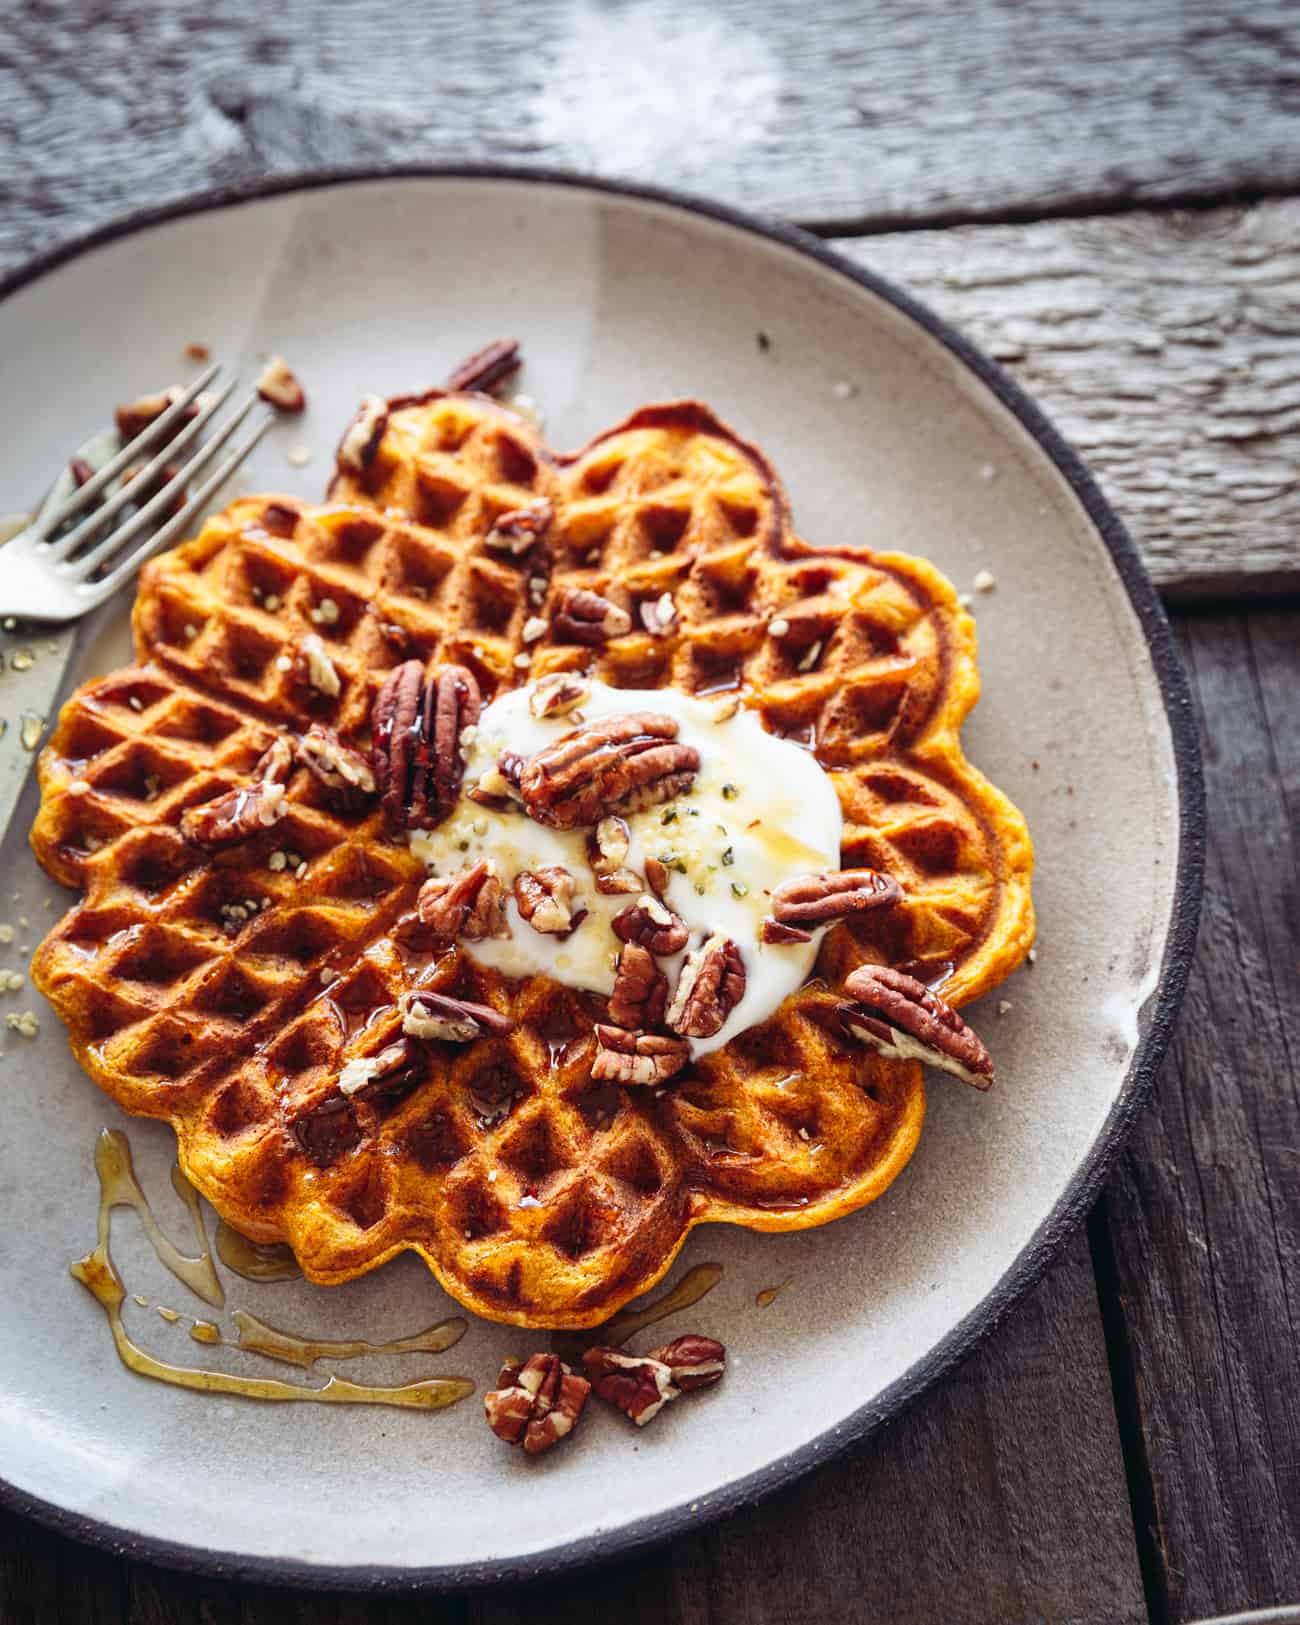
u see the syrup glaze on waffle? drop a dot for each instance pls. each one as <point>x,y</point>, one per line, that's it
<point>225,994</point>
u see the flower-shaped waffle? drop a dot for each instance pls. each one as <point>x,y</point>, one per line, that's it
<point>225,994</point>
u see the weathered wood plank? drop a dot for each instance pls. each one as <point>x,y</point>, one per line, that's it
<point>822,113</point>
<point>1203,1218</point>
<point>1167,349</point>
<point>1000,1495</point>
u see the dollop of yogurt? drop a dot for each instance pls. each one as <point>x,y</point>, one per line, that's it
<point>760,812</point>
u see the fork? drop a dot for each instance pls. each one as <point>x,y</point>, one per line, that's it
<point>56,573</point>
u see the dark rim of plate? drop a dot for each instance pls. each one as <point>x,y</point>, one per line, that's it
<point>1158,1015</point>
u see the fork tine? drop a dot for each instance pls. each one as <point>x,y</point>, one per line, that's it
<point>90,490</point>
<point>169,531</point>
<point>94,522</point>
<point>144,519</point>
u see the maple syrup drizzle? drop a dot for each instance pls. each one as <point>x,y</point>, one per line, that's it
<point>255,1260</point>
<point>118,1187</point>
<point>256,1337</point>
<point>770,1294</point>
<point>690,1289</point>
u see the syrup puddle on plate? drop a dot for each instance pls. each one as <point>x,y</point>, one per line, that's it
<point>119,1187</point>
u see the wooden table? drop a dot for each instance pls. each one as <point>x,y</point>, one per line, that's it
<point>1102,196</point>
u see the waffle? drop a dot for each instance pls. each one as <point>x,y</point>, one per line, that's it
<point>224,995</point>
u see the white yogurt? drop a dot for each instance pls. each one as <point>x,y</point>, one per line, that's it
<point>761,812</point>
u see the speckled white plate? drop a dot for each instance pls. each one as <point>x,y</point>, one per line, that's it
<point>887,429</point>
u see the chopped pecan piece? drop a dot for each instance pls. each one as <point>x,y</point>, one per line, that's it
<point>659,615</point>
<point>521,528</point>
<point>904,1020</point>
<point>343,773</point>
<point>315,667</point>
<point>279,386</point>
<point>558,694</point>
<point>583,616</point>
<point>81,471</point>
<point>415,747</point>
<point>544,898</point>
<point>245,812</point>
<point>832,894</point>
<point>137,415</point>
<point>433,1015</point>
<point>327,1131</point>
<point>695,1362</point>
<point>384,1077</point>
<point>607,848</point>
<point>652,924</point>
<point>535,1404</point>
<point>279,520</point>
<point>634,1058</point>
<point>710,986</point>
<point>622,763</point>
<point>656,876</point>
<point>640,994</point>
<point>146,490</point>
<point>774,932</point>
<point>360,443</point>
<point>471,905</point>
<point>486,368</point>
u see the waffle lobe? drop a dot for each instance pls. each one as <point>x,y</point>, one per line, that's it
<point>226,994</point>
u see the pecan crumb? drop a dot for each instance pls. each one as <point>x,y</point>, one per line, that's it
<point>278,385</point>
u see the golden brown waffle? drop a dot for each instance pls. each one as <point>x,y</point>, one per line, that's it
<point>225,995</point>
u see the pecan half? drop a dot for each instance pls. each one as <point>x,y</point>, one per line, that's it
<point>536,1403</point>
<point>415,741</point>
<point>384,1077</point>
<point>652,924</point>
<point>245,812</point>
<point>278,384</point>
<point>343,773</point>
<point>622,763</point>
<point>633,1383</point>
<point>558,694</point>
<point>487,367</point>
<point>544,898</point>
<point>521,528</point>
<point>583,616</point>
<point>634,1058</point>
<point>471,905</point>
<point>832,894</point>
<point>640,994</point>
<point>607,848</point>
<point>904,1020</point>
<point>434,1015</point>
<point>640,1385</point>
<point>710,986</point>
<point>695,1362</point>
<point>360,443</point>
<point>779,935</point>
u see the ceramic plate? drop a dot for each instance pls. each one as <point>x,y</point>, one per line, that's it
<point>888,429</point>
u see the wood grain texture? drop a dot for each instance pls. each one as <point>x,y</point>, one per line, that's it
<point>998,1496</point>
<point>829,113</point>
<point>1203,1216</point>
<point>1166,347</point>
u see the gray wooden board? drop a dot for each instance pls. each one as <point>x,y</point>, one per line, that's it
<point>1203,1216</point>
<point>998,1496</point>
<point>833,113</point>
<point>1166,347</point>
